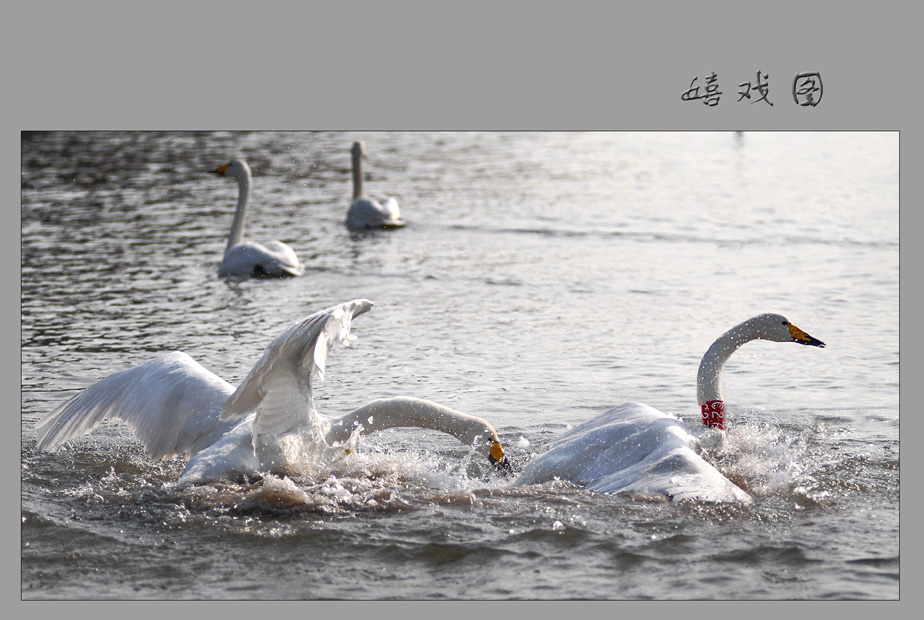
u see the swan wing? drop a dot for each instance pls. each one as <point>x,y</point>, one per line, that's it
<point>278,387</point>
<point>679,473</point>
<point>170,403</point>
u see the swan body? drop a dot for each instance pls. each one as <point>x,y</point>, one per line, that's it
<point>367,212</point>
<point>633,448</point>
<point>268,424</point>
<point>273,259</point>
<point>636,448</point>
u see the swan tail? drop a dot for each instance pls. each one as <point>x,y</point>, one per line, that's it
<point>391,210</point>
<point>170,403</point>
<point>279,385</point>
<point>287,262</point>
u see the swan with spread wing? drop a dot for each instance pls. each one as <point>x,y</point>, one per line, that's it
<point>268,424</point>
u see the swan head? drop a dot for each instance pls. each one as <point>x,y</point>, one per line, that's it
<point>358,149</point>
<point>777,328</point>
<point>772,327</point>
<point>499,460</point>
<point>236,168</point>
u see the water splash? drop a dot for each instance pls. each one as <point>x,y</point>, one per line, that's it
<point>767,459</point>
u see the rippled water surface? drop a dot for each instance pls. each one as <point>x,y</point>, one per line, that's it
<point>542,279</point>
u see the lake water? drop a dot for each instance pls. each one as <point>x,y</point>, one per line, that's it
<point>542,279</point>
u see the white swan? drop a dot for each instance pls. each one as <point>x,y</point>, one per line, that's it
<point>268,424</point>
<point>367,212</point>
<point>242,258</point>
<point>637,448</point>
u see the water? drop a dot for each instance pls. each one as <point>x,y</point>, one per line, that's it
<point>542,279</point>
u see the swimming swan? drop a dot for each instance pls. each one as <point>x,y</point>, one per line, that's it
<point>367,212</point>
<point>637,448</point>
<point>268,424</point>
<point>242,258</point>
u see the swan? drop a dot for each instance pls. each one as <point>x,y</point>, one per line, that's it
<point>242,258</point>
<point>636,448</point>
<point>367,212</point>
<point>268,424</point>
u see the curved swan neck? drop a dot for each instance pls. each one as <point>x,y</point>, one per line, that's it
<point>773,327</point>
<point>359,153</point>
<point>244,182</point>
<point>397,412</point>
<point>709,377</point>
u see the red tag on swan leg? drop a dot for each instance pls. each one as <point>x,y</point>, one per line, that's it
<point>714,414</point>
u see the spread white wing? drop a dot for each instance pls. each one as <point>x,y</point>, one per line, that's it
<point>278,387</point>
<point>171,403</point>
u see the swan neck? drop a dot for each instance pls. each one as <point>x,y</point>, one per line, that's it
<point>357,173</point>
<point>709,377</point>
<point>243,197</point>
<point>414,412</point>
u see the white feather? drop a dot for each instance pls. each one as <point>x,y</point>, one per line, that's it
<point>171,403</point>
<point>634,448</point>
<point>637,448</point>
<point>267,425</point>
<point>174,406</point>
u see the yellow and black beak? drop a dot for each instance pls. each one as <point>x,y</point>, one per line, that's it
<point>802,338</point>
<point>498,460</point>
<point>221,169</point>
